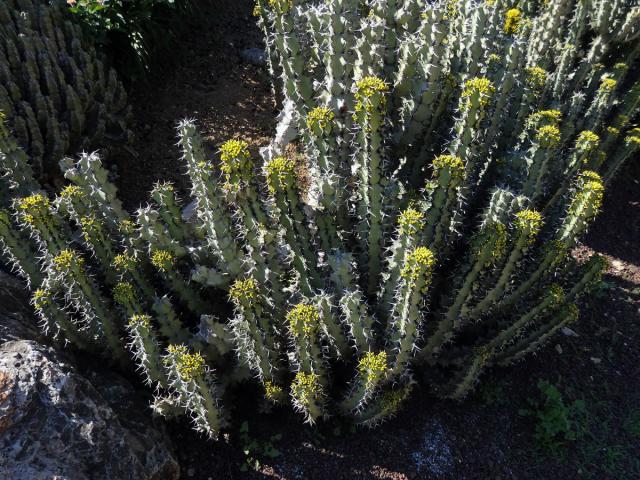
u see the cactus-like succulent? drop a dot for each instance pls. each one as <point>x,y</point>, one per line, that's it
<point>58,95</point>
<point>424,235</point>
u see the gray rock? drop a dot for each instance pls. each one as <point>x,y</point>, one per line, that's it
<point>58,424</point>
<point>254,56</point>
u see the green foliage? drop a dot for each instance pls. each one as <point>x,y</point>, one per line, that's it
<point>133,30</point>
<point>424,234</point>
<point>56,92</point>
<point>556,423</point>
<point>254,449</point>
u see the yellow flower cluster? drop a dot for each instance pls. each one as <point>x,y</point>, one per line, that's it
<point>418,263</point>
<point>548,136</point>
<point>306,387</point>
<point>243,290</point>
<point>91,228</point>
<point>140,320</point>
<point>556,294</point>
<point>124,263</point>
<point>608,85</point>
<point>280,6</point>
<point>71,192</point>
<point>127,227</point>
<point>124,293</point>
<point>411,221</point>
<point>41,298</point>
<point>236,160</point>
<point>591,189</point>
<point>320,119</point>
<point>544,117</point>
<point>587,141</point>
<point>529,221</point>
<point>67,260</point>
<point>512,21</point>
<point>453,163</point>
<point>163,260</point>
<point>372,367</point>
<point>303,319</point>
<point>34,207</point>
<point>273,392</point>
<point>190,366</point>
<point>478,88</point>
<point>367,89</point>
<point>536,78</point>
<point>633,138</point>
<point>280,171</point>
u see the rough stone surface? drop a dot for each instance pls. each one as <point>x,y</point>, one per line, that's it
<point>58,424</point>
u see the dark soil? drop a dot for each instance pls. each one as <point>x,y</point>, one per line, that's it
<point>485,437</point>
<point>227,97</point>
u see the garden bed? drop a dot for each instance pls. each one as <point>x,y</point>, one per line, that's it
<point>488,436</point>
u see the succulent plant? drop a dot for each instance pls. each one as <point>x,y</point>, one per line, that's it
<point>423,234</point>
<point>56,91</point>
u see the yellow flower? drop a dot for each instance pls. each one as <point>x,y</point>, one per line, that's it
<point>512,21</point>
<point>529,221</point>
<point>163,260</point>
<point>243,290</point>
<point>41,299</point>
<point>124,293</point>
<point>479,89</point>
<point>34,207</point>
<point>304,319</point>
<point>320,119</point>
<point>306,388</point>
<point>370,93</point>
<point>372,367</point>
<point>67,260</point>
<point>190,366</point>
<point>411,221</point>
<point>608,85</point>
<point>548,136</point>
<point>124,262</point>
<point>280,172</point>
<point>418,264</point>
<point>140,320</point>
<point>454,164</point>
<point>536,78</point>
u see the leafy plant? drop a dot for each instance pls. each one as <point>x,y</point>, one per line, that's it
<point>255,449</point>
<point>555,422</point>
<point>424,235</point>
<point>134,29</point>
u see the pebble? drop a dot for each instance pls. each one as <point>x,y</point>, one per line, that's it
<point>191,472</point>
<point>568,332</point>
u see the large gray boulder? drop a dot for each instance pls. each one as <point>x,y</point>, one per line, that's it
<point>58,424</point>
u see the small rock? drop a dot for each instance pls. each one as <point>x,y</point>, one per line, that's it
<point>254,56</point>
<point>596,361</point>
<point>559,348</point>
<point>191,472</point>
<point>568,332</point>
